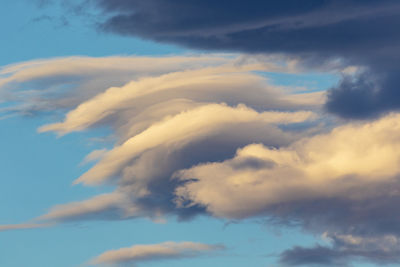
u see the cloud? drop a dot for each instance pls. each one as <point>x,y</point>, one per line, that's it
<point>177,126</point>
<point>382,250</point>
<point>215,127</point>
<point>322,165</point>
<point>220,84</point>
<point>318,255</point>
<point>64,83</point>
<point>344,184</point>
<point>106,206</point>
<point>358,32</point>
<point>23,226</point>
<point>189,115</point>
<point>155,252</point>
<point>181,129</point>
<point>95,155</point>
<point>170,112</point>
<point>147,191</point>
<point>267,26</point>
<point>365,94</point>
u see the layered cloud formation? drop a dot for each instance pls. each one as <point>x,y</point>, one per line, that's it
<point>358,32</point>
<point>210,135</point>
<point>179,108</point>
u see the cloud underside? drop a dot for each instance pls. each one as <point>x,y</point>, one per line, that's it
<point>359,32</point>
<point>154,252</point>
<point>210,135</point>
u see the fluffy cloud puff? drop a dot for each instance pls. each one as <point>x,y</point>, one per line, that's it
<point>323,165</point>
<point>344,184</point>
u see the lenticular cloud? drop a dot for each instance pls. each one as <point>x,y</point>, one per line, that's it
<point>211,135</point>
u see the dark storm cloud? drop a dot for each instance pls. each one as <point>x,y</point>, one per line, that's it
<point>336,256</point>
<point>371,93</point>
<point>358,230</point>
<point>360,32</point>
<point>319,256</point>
<point>368,216</point>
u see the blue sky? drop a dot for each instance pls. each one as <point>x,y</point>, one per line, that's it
<point>248,112</point>
<point>34,32</point>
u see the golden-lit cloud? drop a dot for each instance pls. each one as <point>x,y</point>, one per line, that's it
<point>154,252</point>
<point>171,112</point>
<point>161,110</point>
<point>211,135</point>
<point>177,131</point>
<point>98,207</point>
<point>75,81</point>
<point>324,165</point>
<point>221,84</point>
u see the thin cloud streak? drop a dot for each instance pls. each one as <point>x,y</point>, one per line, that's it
<point>23,226</point>
<point>155,252</point>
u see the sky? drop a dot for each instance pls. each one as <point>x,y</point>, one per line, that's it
<point>199,133</point>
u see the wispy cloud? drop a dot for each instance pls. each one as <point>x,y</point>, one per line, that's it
<point>23,226</point>
<point>155,252</point>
